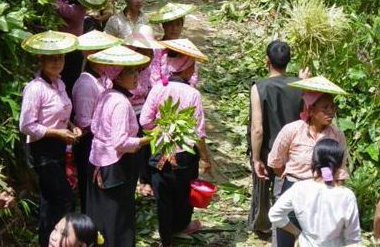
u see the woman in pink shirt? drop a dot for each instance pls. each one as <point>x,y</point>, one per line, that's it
<point>73,13</point>
<point>90,85</point>
<point>45,119</point>
<point>172,186</point>
<point>291,154</point>
<point>113,171</point>
<point>142,41</point>
<point>164,57</point>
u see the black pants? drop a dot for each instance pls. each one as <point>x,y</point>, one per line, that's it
<point>72,70</point>
<point>284,238</point>
<point>81,155</point>
<point>57,198</point>
<point>47,158</point>
<point>261,202</point>
<point>172,192</point>
<point>113,208</point>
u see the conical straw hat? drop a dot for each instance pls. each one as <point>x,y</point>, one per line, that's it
<point>186,47</point>
<point>318,84</point>
<point>96,40</point>
<point>118,55</point>
<point>171,11</point>
<point>93,4</point>
<point>143,37</point>
<point>50,42</point>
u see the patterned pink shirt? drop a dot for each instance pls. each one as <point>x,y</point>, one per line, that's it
<point>44,106</point>
<point>86,91</point>
<point>293,148</point>
<point>187,95</point>
<point>115,128</point>
<point>159,68</point>
<point>73,15</point>
<point>141,91</point>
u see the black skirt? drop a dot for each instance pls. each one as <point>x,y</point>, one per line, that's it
<point>112,207</point>
<point>47,158</point>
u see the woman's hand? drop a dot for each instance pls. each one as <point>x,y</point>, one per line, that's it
<point>144,141</point>
<point>6,198</point>
<point>204,165</point>
<point>63,134</point>
<point>77,132</point>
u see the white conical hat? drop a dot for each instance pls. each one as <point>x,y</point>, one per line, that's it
<point>50,42</point>
<point>171,11</point>
<point>96,40</point>
<point>143,37</point>
<point>318,84</point>
<point>118,55</point>
<point>186,47</point>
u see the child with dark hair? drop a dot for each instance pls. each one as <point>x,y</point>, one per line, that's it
<point>325,209</point>
<point>74,230</point>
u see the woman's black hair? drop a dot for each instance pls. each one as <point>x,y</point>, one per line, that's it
<point>84,229</point>
<point>327,153</point>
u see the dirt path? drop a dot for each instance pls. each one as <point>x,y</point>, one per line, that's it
<point>225,220</point>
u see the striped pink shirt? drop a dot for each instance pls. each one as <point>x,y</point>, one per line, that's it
<point>115,128</point>
<point>187,95</point>
<point>44,106</point>
<point>293,148</point>
<point>160,71</point>
<point>86,91</point>
<point>141,91</point>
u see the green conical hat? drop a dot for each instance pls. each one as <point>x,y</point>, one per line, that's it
<point>118,55</point>
<point>318,84</point>
<point>171,11</point>
<point>186,47</point>
<point>50,42</point>
<point>93,4</point>
<point>96,40</point>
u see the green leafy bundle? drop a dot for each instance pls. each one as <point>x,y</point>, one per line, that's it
<point>174,129</point>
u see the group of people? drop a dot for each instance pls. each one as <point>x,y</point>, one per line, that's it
<point>124,78</point>
<point>96,92</point>
<point>299,157</point>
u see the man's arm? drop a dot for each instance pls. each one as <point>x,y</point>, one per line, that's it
<point>257,134</point>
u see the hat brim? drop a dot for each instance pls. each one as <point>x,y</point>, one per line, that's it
<point>89,47</point>
<point>118,63</point>
<point>197,56</point>
<point>101,4</point>
<point>32,48</point>
<point>143,43</point>
<point>308,85</point>
<point>156,18</point>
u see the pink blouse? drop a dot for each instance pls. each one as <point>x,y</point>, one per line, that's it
<point>293,148</point>
<point>44,106</point>
<point>187,95</point>
<point>73,15</point>
<point>86,91</point>
<point>115,128</point>
<point>159,68</point>
<point>141,91</point>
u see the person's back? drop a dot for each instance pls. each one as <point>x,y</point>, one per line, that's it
<point>273,104</point>
<point>280,105</point>
<point>325,213</point>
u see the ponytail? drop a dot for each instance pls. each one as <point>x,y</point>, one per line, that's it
<point>327,159</point>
